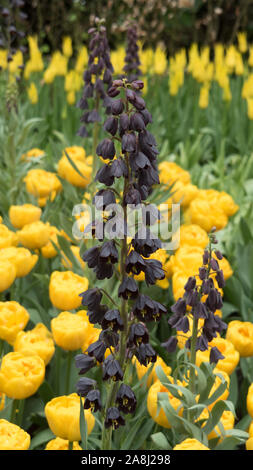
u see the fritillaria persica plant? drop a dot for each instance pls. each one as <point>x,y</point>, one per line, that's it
<point>130,152</point>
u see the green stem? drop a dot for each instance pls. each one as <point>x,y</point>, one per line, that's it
<point>70,445</point>
<point>95,141</point>
<point>21,406</point>
<point>1,347</point>
<point>57,370</point>
<point>107,433</point>
<point>14,411</point>
<point>68,371</point>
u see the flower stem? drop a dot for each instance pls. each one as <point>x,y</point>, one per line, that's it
<point>70,445</point>
<point>14,411</point>
<point>68,370</point>
<point>107,433</point>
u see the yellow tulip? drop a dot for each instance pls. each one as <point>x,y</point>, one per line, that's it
<point>190,444</point>
<point>7,274</point>
<point>20,375</point>
<point>240,333</point>
<point>69,330</point>
<point>13,318</point>
<point>249,400</point>
<point>152,403</point>
<point>65,289</point>
<point>152,377</point>
<point>34,235</point>
<point>24,214</point>
<point>33,153</point>
<point>38,341</point>
<point>61,444</point>
<point>227,349</point>
<point>7,237</point>
<point>33,93</point>
<point>41,183</point>
<point>12,437</point>
<point>21,258</point>
<point>63,416</point>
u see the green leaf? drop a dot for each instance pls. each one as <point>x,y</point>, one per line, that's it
<point>83,427</point>
<point>46,392</point>
<point>41,438</point>
<point>160,441</point>
<point>126,444</point>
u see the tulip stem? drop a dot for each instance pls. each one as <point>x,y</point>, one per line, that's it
<point>1,347</point>
<point>70,445</point>
<point>68,370</point>
<point>14,411</point>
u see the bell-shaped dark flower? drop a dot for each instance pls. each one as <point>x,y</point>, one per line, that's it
<point>190,284</point>
<point>84,385</point>
<point>207,285</point>
<point>97,313</point>
<point>182,324</point>
<point>103,198</point>
<point>145,354</point>
<point>97,350</point>
<point>144,308</point>
<point>113,418</point>
<point>117,107</point>
<point>192,298</point>
<point>128,289</point>
<point>202,273</point>
<point>91,297</point>
<point>106,149</point>
<point>138,161</point>
<point>111,125</point>
<point>129,142</point>
<point>147,117</point>
<point>201,343</point>
<point>134,263</point>
<point>159,310</point>
<point>108,252</point>
<point>118,168</point>
<point>84,363</point>
<point>138,334</point>
<point>137,122</point>
<point>104,175</point>
<point>144,243</point>
<point>153,271</point>
<point>91,256</point>
<point>109,337</point>
<point>113,320</point>
<point>93,401</point>
<point>218,254</point>
<point>124,123</point>
<point>215,355</point>
<point>220,279</point>
<point>132,197</point>
<point>112,369</point>
<point>126,399</point>
<point>206,257</point>
<point>214,264</point>
<point>200,310</point>
<point>103,270</point>
<point>171,344</point>
<point>214,300</point>
<point>179,307</point>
